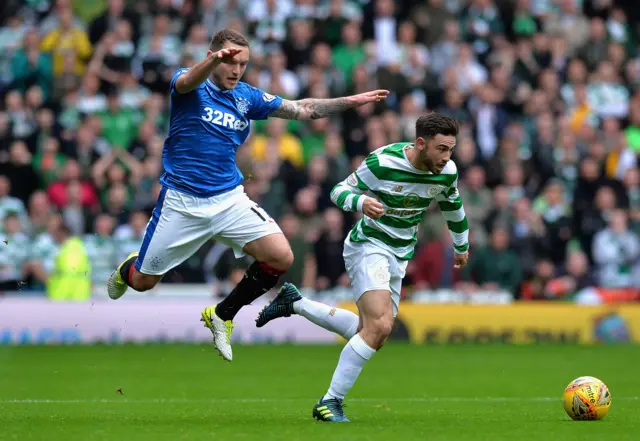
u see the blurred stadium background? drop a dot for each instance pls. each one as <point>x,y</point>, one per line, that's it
<point>546,92</point>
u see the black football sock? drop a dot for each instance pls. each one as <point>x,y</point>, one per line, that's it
<point>126,270</point>
<point>258,279</point>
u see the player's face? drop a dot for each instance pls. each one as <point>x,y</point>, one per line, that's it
<point>436,152</point>
<point>227,74</point>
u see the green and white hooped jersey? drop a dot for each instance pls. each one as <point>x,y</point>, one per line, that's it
<point>405,193</point>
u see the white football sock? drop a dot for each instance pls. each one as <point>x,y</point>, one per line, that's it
<point>352,359</point>
<point>340,321</point>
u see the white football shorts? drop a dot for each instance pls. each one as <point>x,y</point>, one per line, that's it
<point>371,267</point>
<point>181,224</point>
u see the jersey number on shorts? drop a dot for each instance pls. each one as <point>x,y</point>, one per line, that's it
<point>223,119</point>
<point>264,216</point>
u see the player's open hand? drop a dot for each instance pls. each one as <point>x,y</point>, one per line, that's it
<point>372,208</point>
<point>460,260</point>
<point>369,97</point>
<point>226,55</point>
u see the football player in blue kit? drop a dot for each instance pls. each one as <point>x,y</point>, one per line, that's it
<point>202,196</point>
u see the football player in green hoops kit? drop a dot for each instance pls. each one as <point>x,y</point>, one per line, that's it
<point>400,181</point>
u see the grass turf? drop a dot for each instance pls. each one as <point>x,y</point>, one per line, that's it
<point>174,392</point>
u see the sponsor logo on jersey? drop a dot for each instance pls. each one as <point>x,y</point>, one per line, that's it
<point>223,119</point>
<point>397,188</point>
<point>352,180</point>
<point>411,200</point>
<point>267,97</point>
<point>396,212</point>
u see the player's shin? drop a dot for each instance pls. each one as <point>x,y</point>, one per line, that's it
<point>341,321</point>
<point>258,279</point>
<point>352,359</point>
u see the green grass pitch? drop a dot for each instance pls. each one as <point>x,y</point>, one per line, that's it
<point>174,392</point>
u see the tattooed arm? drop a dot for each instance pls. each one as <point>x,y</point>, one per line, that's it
<point>312,108</point>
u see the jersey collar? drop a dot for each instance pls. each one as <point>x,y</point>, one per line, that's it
<point>215,87</point>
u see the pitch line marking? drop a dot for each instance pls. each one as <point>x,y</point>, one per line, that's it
<point>276,400</point>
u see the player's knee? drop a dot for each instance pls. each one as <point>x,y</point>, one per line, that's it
<point>385,326</point>
<point>282,260</point>
<point>379,329</point>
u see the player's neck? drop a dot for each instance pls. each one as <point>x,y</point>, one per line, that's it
<point>217,84</point>
<point>413,156</point>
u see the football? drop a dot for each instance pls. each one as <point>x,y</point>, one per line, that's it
<point>587,398</point>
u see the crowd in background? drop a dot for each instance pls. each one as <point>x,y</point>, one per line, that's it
<point>547,93</point>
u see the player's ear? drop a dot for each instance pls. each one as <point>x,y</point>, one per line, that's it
<point>209,52</point>
<point>420,143</point>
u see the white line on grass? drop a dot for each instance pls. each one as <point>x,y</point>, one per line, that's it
<point>276,400</point>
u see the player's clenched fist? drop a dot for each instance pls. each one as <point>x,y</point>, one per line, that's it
<point>460,260</point>
<point>372,208</point>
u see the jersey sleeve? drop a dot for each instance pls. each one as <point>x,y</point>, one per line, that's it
<point>450,204</point>
<point>176,75</point>
<point>348,194</point>
<point>262,103</point>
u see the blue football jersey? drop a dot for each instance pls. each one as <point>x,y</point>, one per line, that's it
<point>206,127</point>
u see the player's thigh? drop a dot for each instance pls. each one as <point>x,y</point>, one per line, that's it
<point>370,272</point>
<point>172,236</point>
<point>248,229</point>
<point>273,249</point>
<point>398,271</point>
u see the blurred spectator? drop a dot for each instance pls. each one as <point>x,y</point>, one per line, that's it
<point>616,251</point>
<point>432,267</point>
<point>431,17</point>
<point>11,37</point>
<point>39,213</point>
<point>329,264</point>
<point>495,266</point>
<point>70,277</point>
<point>277,144</point>
<point>101,249</point>
<point>334,15</point>
<point>119,124</point>
<point>57,191</point>
<point>32,67</point>
<point>67,37</point>
<point>15,251</point>
<point>350,53</point>
<point>548,284</point>
<point>303,271</point>
<point>8,203</point>
<point>110,19</point>
<point>129,237</point>
<point>269,17</point>
<point>19,169</point>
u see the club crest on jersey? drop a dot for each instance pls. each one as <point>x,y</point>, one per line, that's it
<point>434,190</point>
<point>411,200</point>
<point>243,105</point>
<point>267,97</point>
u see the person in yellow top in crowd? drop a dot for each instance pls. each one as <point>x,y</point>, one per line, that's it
<point>67,38</point>
<point>277,142</point>
<point>70,279</point>
<point>581,113</point>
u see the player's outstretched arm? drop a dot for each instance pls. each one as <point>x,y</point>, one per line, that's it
<point>313,108</point>
<point>199,73</point>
